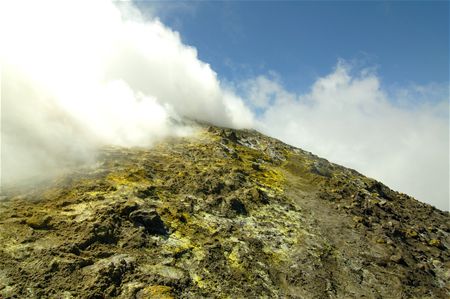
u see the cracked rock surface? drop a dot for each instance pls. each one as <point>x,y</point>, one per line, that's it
<point>223,214</point>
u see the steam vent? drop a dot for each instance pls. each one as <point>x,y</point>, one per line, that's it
<point>223,214</point>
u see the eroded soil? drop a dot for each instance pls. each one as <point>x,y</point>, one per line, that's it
<point>224,214</point>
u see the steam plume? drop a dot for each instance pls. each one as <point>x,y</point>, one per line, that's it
<point>78,76</point>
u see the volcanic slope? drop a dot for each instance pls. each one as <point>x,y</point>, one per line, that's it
<point>222,214</point>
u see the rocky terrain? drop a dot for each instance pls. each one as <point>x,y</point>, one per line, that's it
<point>223,214</point>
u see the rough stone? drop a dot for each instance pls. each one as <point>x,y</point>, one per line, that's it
<point>223,214</point>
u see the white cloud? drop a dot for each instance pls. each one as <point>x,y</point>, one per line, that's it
<point>263,91</point>
<point>349,119</point>
<point>78,75</point>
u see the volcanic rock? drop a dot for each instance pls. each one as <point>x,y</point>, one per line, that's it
<point>223,214</point>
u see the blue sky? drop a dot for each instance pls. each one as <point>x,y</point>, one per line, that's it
<point>406,41</point>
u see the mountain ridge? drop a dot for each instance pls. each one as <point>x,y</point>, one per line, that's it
<point>224,213</point>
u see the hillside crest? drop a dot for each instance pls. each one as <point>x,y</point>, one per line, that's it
<point>226,214</point>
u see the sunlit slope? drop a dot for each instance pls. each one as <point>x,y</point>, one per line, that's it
<point>226,214</point>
